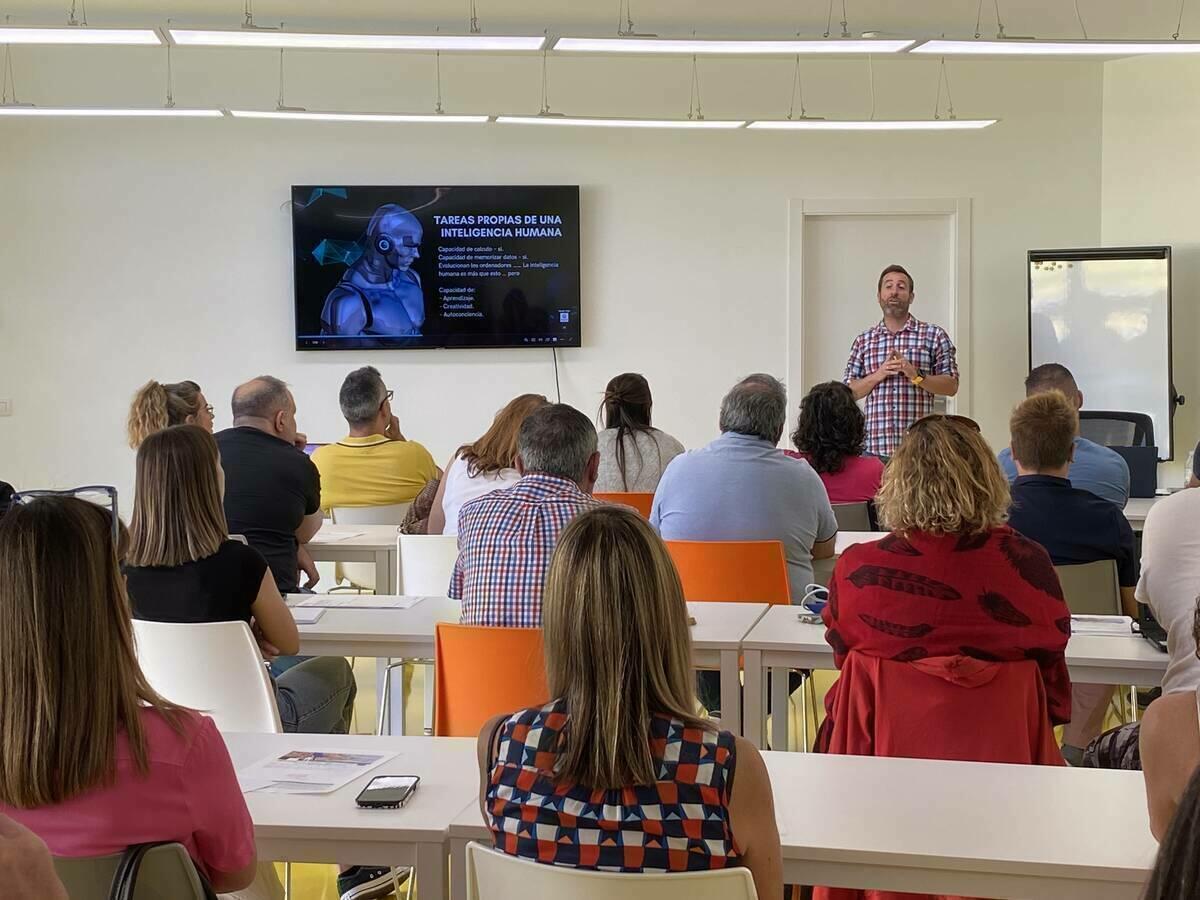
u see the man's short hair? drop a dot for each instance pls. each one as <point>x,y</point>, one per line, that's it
<point>1051,377</point>
<point>1043,428</point>
<point>897,269</point>
<point>757,406</point>
<point>362,395</point>
<point>557,439</point>
<point>260,398</point>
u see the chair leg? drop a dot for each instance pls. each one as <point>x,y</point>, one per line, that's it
<point>428,699</point>
<point>385,698</point>
<point>287,881</point>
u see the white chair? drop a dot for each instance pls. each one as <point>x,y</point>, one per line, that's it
<point>362,575</point>
<point>214,667</point>
<point>492,875</point>
<point>424,563</point>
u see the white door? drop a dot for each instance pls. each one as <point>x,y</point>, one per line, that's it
<point>842,258</point>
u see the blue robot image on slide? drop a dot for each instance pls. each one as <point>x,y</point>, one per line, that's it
<point>380,294</point>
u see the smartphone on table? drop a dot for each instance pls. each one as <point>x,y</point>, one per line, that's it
<point>388,791</point>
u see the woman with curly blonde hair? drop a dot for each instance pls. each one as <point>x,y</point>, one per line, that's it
<point>157,406</point>
<point>951,579</point>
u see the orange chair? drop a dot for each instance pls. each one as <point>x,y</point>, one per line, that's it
<point>734,571</point>
<point>480,671</point>
<point>640,502</point>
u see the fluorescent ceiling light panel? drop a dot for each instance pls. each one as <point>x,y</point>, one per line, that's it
<point>589,122</point>
<point>701,47</point>
<point>154,112</point>
<point>79,34</point>
<point>872,125</point>
<point>299,40</point>
<point>305,115</point>
<point>1013,47</point>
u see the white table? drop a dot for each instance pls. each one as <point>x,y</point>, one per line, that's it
<point>409,633</point>
<point>979,829</point>
<point>329,828</point>
<point>1137,509</point>
<point>370,544</point>
<point>780,641</point>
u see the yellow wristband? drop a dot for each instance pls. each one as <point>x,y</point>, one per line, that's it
<point>917,381</point>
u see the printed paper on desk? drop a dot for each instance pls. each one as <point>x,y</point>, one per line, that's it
<point>304,771</point>
<point>309,616</point>
<point>355,601</point>
<point>1109,625</point>
<point>331,533</point>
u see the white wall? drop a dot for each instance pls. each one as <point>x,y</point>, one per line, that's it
<point>1151,194</point>
<point>131,250</point>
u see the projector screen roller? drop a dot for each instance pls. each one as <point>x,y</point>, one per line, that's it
<point>423,267</point>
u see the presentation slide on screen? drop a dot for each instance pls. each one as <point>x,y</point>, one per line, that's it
<point>413,267</point>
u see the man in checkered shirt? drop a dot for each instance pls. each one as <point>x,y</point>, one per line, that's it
<point>506,538</point>
<point>899,365</point>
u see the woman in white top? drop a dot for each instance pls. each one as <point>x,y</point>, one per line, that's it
<point>633,455</point>
<point>482,467</point>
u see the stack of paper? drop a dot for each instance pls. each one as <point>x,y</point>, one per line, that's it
<point>1110,625</point>
<point>308,771</point>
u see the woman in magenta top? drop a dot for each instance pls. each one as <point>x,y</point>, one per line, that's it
<point>94,759</point>
<point>830,436</point>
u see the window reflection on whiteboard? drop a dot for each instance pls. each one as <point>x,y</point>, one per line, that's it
<point>1106,321</point>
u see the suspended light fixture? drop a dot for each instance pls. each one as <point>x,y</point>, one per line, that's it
<point>720,47</point>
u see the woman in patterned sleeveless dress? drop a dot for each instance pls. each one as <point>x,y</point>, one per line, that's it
<point>617,772</point>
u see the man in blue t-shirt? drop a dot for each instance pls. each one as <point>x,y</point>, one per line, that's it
<point>1093,468</point>
<point>1073,525</point>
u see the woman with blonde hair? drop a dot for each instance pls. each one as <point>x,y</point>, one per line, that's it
<point>484,466</point>
<point>617,740</point>
<point>93,759</point>
<point>156,406</point>
<point>182,566</point>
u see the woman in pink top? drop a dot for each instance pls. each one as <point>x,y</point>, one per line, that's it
<point>830,436</point>
<point>93,759</point>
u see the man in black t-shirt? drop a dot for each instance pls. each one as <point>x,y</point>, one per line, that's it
<point>272,489</point>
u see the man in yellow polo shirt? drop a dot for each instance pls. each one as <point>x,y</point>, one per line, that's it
<point>374,465</point>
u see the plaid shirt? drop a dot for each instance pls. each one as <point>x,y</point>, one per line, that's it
<point>505,540</point>
<point>896,402</point>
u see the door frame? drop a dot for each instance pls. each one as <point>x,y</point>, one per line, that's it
<point>959,328</point>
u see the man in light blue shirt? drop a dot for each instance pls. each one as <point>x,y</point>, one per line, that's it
<point>1097,469</point>
<point>741,487</point>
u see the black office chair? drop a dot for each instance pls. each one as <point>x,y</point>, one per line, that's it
<point>1116,429</point>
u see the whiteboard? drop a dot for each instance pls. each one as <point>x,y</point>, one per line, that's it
<point>1106,316</point>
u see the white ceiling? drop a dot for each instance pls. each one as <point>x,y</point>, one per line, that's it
<point>1040,18</point>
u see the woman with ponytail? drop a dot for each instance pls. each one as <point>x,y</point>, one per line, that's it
<point>156,406</point>
<point>633,455</point>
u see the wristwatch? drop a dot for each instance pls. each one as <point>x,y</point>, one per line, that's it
<point>920,377</point>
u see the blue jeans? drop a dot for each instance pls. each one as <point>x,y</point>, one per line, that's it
<point>315,694</point>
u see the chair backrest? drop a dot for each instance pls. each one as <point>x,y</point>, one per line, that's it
<point>732,571</point>
<point>425,563</point>
<point>214,667</point>
<point>853,516</point>
<point>481,671</point>
<point>492,875</point>
<point>639,501</point>
<point>1111,428</point>
<point>362,574</point>
<point>166,871</point>
<point>1091,589</point>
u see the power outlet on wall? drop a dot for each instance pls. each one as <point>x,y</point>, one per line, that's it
<point>5,407</point>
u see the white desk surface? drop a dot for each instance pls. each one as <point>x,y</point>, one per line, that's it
<point>846,539</point>
<point>1092,659</point>
<point>366,537</point>
<point>330,828</point>
<point>1002,831</point>
<point>1138,508</point>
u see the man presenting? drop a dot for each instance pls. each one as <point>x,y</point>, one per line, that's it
<point>899,365</point>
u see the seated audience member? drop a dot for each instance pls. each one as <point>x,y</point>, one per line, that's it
<point>374,465</point>
<point>272,490</point>
<point>6,496</point>
<point>155,406</point>
<point>952,581</point>
<point>1193,478</point>
<point>1170,751</point>
<point>416,520</point>
<point>95,760</point>
<point>830,435</point>
<point>1169,586</point>
<point>26,869</point>
<point>1093,468</point>
<point>506,537</point>
<point>633,454</point>
<point>742,488</point>
<point>1072,525</point>
<point>614,741</point>
<point>484,466</point>
<point>182,567</point>
<point>1177,870</point>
